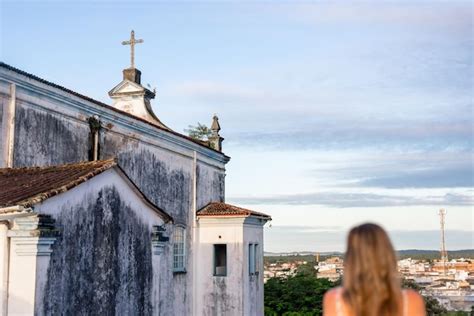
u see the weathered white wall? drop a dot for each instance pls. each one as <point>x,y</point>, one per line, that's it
<point>65,208</point>
<point>4,259</point>
<point>219,295</point>
<point>69,108</point>
<point>22,283</point>
<point>51,128</point>
<point>210,185</point>
<point>238,293</point>
<point>253,285</point>
<point>112,177</point>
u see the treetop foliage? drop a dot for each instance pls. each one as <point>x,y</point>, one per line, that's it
<point>302,295</point>
<point>199,132</point>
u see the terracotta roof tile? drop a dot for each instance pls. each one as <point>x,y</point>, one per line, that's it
<point>223,209</point>
<point>28,186</point>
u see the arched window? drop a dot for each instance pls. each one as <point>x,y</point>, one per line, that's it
<point>179,249</point>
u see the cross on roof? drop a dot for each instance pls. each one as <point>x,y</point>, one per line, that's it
<point>132,43</point>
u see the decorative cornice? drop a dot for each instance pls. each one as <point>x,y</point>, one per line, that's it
<point>33,235</point>
<point>34,246</point>
<point>231,221</point>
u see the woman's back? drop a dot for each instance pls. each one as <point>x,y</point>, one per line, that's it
<point>371,283</point>
<point>412,304</point>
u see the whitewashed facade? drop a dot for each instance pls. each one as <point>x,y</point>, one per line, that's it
<point>43,124</point>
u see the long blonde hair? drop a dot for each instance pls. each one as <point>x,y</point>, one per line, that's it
<point>371,285</point>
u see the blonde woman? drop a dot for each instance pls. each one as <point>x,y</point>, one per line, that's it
<point>371,284</point>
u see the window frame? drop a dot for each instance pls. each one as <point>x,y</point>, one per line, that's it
<point>251,254</point>
<point>179,268</point>
<point>214,265</point>
<point>255,259</point>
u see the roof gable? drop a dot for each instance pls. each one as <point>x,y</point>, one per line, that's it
<point>127,87</point>
<point>28,186</point>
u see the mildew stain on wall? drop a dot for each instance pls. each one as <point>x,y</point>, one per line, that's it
<point>45,139</point>
<point>169,188</point>
<point>101,264</point>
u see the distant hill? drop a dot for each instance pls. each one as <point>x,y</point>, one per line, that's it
<point>434,254</point>
<point>402,254</point>
<point>300,253</point>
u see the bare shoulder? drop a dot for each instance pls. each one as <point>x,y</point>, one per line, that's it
<point>416,303</point>
<point>413,296</point>
<point>329,302</point>
<point>331,294</point>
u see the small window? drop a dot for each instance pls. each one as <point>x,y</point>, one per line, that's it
<point>255,258</point>
<point>179,250</point>
<point>220,260</point>
<point>251,259</point>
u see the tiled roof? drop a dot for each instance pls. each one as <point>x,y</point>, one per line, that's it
<point>49,83</point>
<point>28,186</point>
<point>223,209</point>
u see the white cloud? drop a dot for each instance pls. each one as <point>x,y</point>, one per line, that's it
<point>357,200</point>
<point>452,16</point>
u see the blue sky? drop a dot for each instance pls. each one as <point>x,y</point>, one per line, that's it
<point>334,113</point>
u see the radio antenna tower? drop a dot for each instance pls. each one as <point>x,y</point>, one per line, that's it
<point>444,253</point>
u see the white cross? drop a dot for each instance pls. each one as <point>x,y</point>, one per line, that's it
<point>132,43</point>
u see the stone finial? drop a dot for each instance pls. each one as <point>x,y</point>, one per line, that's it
<point>215,140</point>
<point>215,127</point>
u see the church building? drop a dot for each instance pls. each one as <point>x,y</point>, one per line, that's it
<point>105,210</point>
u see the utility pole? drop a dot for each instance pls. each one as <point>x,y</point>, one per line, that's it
<point>444,253</point>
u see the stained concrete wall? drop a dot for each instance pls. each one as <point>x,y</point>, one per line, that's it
<point>253,284</point>
<point>43,138</point>
<point>102,262</point>
<point>51,128</point>
<point>220,295</point>
<point>210,185</point>
<point>3,102</point>
<point>237,293</point>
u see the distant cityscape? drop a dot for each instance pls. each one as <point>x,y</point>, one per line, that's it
<point>451,282</point>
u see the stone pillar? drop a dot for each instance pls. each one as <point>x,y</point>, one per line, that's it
<point>31,238</point>
<point>4,259</point>
<point>159,241</point>
<point>8,130</point>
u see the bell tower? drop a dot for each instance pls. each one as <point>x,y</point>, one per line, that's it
<point>129,95</point>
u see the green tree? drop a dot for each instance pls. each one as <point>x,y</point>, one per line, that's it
<point>302,295</point>
<point>306,269</point>
<point>299,295</point>
<point>199,132</point>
